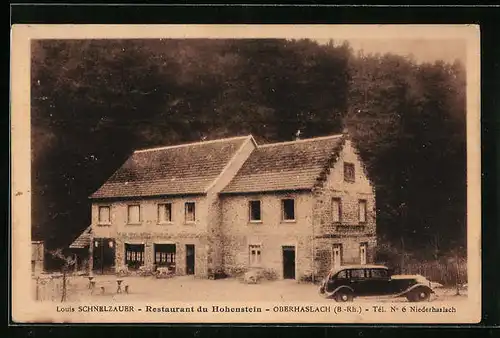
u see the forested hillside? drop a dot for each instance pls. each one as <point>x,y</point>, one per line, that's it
<point>95,101</point>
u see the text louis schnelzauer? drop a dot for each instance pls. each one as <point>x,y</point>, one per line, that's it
<point>190,309</point>
<point>225,308</point>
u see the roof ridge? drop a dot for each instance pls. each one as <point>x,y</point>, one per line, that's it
<point>301,141</point>
<point>192,144</point>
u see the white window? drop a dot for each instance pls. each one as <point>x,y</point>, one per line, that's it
<point>362,253</point>
<point>190,212</point>
<point>362,211</point>
<point>288,209</point>
<point>336,210</point>
<point>254,210</point>
<point>255,255</point>
<point>134,255</point>
<point>104,215</point>
<point>134,214</point>
<point>337,256</point>
<point>165,213</point>
<point>165,254</point>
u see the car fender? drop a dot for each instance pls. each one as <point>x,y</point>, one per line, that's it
<point>413,287</point>
<point>329,294</point>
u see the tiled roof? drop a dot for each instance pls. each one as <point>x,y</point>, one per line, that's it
<point>292,165</point>
<point>83,240</point>
<point>174,170</point>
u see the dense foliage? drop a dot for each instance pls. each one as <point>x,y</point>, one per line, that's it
<point>95,101</point>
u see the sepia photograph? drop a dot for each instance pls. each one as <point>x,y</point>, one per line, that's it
<point>246,173</point>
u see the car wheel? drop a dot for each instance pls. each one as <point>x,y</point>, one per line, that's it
<point>343,296</point>
<point>419,295</point>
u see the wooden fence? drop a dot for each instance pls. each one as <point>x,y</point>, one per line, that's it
<point>448,272</point>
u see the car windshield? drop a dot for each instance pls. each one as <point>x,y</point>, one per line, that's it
<point>342,274</point>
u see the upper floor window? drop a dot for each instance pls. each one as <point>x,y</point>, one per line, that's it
<point>134,214</point>
<point>349,172</point>
<point>336,210</point>
<point>165,213</point>
<point>104,215</point>
<point>254,210</point>
<point>189,210</point>
<point>288,209</point>
<point>362,211</point>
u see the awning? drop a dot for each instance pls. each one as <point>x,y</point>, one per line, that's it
<point>82,241</point>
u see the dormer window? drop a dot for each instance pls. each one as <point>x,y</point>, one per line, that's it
<point>349,173</point>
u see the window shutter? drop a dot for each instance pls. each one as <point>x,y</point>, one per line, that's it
<point>362,211</point>
<point>104,214</point>
<point>336,210</point>
<point>134,214</point>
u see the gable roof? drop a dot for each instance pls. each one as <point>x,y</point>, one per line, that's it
<point>295,165</point>
<point>173,170</point>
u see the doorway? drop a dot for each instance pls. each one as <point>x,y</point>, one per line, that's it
<point>288,262</point>
<point>336,256</point>
<point>190,259</point>
<point>362,253</point>
<point>104,255</point>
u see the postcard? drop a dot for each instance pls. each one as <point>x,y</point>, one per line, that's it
<point>318,174</point>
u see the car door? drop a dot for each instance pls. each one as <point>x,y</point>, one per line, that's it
<point>358,281</point>
<point>337,280</point>
<point>379,282</point>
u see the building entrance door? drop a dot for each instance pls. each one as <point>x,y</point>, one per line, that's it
<point>190,255</point>
<point>362,253</point>
<point>336,256</point>
<point>104,255</point>
<point>289,262</point>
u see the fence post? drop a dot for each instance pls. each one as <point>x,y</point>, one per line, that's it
<point>63,297</point>
<point>457,275</point>
<point>37,288</point>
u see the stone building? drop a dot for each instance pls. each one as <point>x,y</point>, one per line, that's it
<point>294,209</point>
<point>161,208</point>
<point>299,208</point>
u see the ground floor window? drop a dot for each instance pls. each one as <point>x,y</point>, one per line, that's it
<point>337,256</point>
<point>165,255</point>
<point>134,255</point>
<point>362,252</point>
<point>255,255</point>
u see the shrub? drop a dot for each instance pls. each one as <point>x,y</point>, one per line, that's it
<point>252,277</point>
<point>269,274</point>
<point>306,278</point>
<point>216,273</point>
<point>237,271</point>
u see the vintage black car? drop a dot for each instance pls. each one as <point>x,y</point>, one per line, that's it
<point>347,282</point>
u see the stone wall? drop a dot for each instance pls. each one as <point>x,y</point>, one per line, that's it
<point>150,231</point>
<point>350,233</point>
<point>149,239</point>
<point>350,245</point>
<point>271,233</point>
